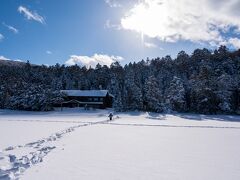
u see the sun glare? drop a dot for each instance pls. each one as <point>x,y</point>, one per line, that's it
<point>142,18</point>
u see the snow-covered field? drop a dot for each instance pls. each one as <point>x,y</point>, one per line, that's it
<point>78,144</point>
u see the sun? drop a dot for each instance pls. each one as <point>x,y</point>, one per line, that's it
<point>147,18</point>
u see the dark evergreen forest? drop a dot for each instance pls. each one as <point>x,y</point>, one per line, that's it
<point>203,82</point>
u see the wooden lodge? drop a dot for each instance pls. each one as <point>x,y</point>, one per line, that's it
<point>87,98</point>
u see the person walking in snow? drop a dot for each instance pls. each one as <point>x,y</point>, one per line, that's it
<point>110,116</point>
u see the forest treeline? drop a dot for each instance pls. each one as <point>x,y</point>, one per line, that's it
<point>203,82</point>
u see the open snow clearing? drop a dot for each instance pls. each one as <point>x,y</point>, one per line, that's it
<point>78,144</point>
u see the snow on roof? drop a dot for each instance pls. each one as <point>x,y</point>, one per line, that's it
<point>93,93</point>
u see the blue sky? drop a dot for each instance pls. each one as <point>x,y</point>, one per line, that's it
<point>90,31</point>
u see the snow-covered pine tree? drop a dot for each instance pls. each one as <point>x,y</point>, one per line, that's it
<point>115,90</point>
<point>224,92</point>
<point>152,95</point>
<point>176,93</point>
<point>132,93</point>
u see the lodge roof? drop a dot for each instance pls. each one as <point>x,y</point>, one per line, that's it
<point>86,93</point>
<point>80,102</point>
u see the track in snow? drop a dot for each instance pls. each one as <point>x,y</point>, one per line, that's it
<point>13,166</point>
<point>172,126</point>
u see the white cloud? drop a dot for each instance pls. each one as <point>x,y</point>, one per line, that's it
<point>202,21</point>
<point>92,61</point>
<point>31,15</point>
<point>110,25</point>
<point>4,58</point>
<point>7,59</point>
<point>1,37</point>
<point>11,28</point>
<point>150,45</point>
<point>113,3</point>
<point>49,52</point>
<point>235,42</point>
<point>18,60</point>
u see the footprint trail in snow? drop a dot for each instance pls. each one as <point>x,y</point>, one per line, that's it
<point>14,160</point>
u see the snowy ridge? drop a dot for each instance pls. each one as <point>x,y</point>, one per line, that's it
<point>11,63</point>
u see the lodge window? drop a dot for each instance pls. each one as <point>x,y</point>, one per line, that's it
<point>89,99</point>
<point>101,99</point>
<point>95,99</point>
